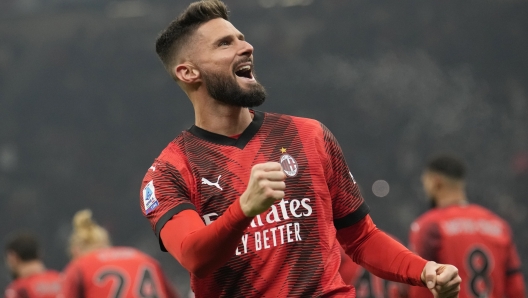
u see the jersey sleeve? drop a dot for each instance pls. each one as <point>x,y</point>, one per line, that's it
<point>164,193</point>
<point>380,254</point>
<point>348,206</point>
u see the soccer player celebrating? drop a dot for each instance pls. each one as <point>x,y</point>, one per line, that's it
<point>252,203</point>
<point>99,270</point>
<point>31,278</point>
<point>469,236</point>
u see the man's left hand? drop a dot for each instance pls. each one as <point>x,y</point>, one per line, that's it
<point>441,279</point>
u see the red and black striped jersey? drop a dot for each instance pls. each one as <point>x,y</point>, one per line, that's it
<point>290,250</point>
<point>41,285</point>
<point>115,272</point>
<point>477,242</point>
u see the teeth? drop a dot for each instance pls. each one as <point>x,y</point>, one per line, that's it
<point>247,67</point>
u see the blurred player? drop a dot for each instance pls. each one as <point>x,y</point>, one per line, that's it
<point>99,270</point>
<point>367,284</point>
<point>249,202</point>
<point>468,236</point>
<point>31,278</point>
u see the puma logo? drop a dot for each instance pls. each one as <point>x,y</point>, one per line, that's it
<point>205,181</point>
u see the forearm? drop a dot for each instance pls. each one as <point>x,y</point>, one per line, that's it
<point>380,254</point>
<point>202,249</point>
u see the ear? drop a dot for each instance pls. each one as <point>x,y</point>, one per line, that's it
<point>187,73</point>
<point>12,259</point>
<point>438,181</point>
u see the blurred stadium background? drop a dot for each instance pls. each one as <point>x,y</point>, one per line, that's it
<point>85,106</point>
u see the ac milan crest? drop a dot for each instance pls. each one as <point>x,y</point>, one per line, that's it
<point>289,165</point>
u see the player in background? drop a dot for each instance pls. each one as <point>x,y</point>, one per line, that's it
<point>99,270</point>
<point>31,279</point>
<point>249,202</point>
<point>477,241</point>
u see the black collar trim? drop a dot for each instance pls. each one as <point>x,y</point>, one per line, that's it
<point>240,143</point>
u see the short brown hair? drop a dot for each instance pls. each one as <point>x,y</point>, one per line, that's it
<point>171,40</point>
<point>448,165</point>
<point>25,246</point>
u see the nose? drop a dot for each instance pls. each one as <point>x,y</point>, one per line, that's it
<point>246,49</point>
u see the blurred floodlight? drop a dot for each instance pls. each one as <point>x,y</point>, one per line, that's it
<point>380,188</point>
<point>126,9</point>
<point>284,3</point>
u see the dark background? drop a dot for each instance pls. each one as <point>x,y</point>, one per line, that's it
<point>85,105</point>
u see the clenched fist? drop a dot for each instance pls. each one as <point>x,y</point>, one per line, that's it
<point>442,280</point>
<point>265,186</point>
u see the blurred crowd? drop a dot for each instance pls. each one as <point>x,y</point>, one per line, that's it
<point>85,105</point>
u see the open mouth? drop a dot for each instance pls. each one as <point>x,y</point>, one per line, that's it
<point>244,72</point>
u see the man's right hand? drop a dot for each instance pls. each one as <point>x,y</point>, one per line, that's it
<point>266,185</point>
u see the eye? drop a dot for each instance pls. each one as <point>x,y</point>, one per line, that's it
<point>224,43</point>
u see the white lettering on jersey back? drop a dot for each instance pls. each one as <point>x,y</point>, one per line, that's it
<point>473,226</point>
<point>216,184</point>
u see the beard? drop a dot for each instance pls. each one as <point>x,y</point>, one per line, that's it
<point>13,274</point>
<point>226,89</point>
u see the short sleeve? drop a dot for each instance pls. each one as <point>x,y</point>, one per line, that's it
<point>348,206</point>
<point>164,193</point>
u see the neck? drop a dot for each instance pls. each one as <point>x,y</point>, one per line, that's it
<point>30,268</point>
<point>449,198</point>
<point>220,118</point>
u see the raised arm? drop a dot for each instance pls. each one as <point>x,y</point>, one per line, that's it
<point>202,249</point>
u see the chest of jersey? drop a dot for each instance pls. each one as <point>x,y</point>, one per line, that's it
<point>221,174</point>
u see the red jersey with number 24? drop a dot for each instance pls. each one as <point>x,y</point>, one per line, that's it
<point>117,272</point>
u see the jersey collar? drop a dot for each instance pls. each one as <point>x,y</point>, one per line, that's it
<point>240,143</point>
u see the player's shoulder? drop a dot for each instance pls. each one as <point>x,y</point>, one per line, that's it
<point>482,212</point>
<point>23,284</point>
<point>429,216</point>
<point>83,262</point>
<point>171,159</point>
<point>16,285</point>
<point>51,274</point>
<point>478,209</point>
<point>427,219</point>
<point>174,152</point>
<point>300,122</point>
<point>14,288</point>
